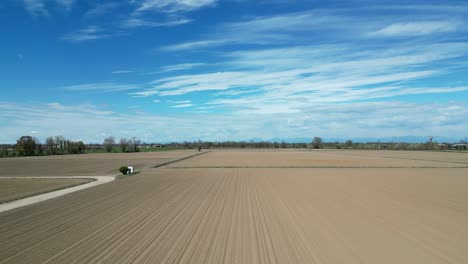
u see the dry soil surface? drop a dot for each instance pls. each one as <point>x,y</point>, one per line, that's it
<point>85,164</point>
<point>253,215</point>
<point>326,159</point>
<point>14,189</point>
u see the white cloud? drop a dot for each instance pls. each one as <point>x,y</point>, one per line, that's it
<point>100,87</point>
<point>140,22</point>
<point>291,79</point>
<point>416,29</point>
<point>180,102</point>
<point>180,67</point>
<point>39,7</point>
<point>172,6</point>
<point>321,25</point>
<point>86,34</point>
<point>182,105</point>
<point>194,45</point>
<point>101,9</point>
<point>35,7</point>
<point>347,120</point>
<point>144,93</point>
<point>270,30</point>
<point>286,23</point>
<point>67,4</point>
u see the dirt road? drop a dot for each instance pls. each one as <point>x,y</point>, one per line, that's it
<point>250,215</point>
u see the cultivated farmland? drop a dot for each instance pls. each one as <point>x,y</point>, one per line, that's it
<point>85,165</point>
<point>12,189</point>
<point>238,206</point>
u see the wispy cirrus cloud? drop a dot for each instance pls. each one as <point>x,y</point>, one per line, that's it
<point>275,29</point>
<point>180,102</point>
<point>35,7</point>
<point>101,9</point>
<point>173,12</point>
<point>181,67</point>
<point>279,29</point>
<point>288,80</point>
<point>87,34</point>
<point>172,6</point>
<point>416,29</point>
<point>100,87</point>
<point>173,15</point>
<point>40,7</point>
<point>330,24</point>
<point>182,105</point>
<point>194,45</point>
<point>140,22</point>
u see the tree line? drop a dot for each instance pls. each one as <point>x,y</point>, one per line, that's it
<point>126,145</point>
<point>31,146</point>
<point>59,145</point>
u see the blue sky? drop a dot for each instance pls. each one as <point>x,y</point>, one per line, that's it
<point>173,70</point>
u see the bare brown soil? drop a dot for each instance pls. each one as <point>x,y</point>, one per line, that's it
<point>254,215</point>
<point>13,189</point>
<point>101,164</point>
<point>327,158</point>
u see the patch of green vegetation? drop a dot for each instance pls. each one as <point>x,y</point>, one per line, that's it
<point>124,176</point>
<point>119,150</point>
<point>158,149</point>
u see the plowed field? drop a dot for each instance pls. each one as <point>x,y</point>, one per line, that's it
<point>257,207</point>
<point>13,189</point>
<point>101,164</point>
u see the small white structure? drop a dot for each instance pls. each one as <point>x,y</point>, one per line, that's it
<point>130,170</point>
<point>459,146</point>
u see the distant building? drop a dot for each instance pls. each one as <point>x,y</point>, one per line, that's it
<point>460,146</point>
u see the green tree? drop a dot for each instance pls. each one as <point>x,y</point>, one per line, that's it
<point>26,146</point>
<point>81,147</point>
<point>40,150</point>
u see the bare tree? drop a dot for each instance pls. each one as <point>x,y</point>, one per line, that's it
<point>60,141</point>
<point>283,144</point>
<point>134,142</point>
<point>349,143</point>
<point>109,143</point>
<point>50,146</point>
<point>123,144</point>
<point>317,142</point>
